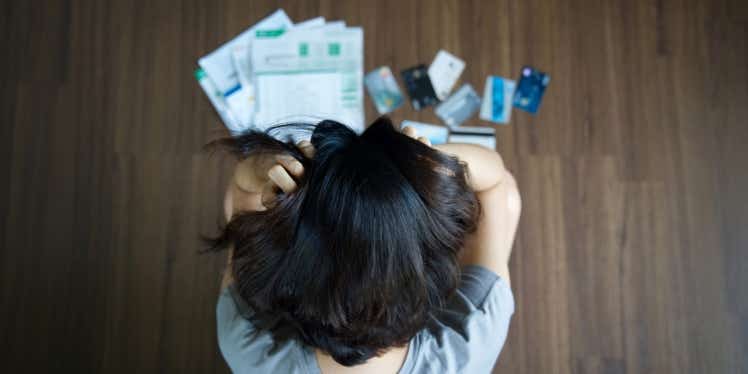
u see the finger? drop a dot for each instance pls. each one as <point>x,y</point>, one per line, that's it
<point>306,148</point>
<point>228,202</point>
<point>424,140</point>
<point>280,177</point>
<point>292,165</point>
<point>268,195</point>
<point>409,131</point>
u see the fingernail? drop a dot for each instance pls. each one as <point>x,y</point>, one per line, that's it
<point>298,168</point>
<point>274,171</point>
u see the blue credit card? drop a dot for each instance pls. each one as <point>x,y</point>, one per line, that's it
<point>530,89</point>
<point>498,94</point>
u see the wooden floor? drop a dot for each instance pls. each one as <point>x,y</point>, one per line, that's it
<point>632,255</point>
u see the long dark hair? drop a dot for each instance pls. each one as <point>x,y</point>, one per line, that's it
<point>357,258</point>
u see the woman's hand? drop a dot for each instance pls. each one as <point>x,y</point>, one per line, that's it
<point>255,184</point>
<point>411,132</point>
<point>257,180</point>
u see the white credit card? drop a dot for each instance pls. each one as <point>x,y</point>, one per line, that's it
<point>435,134</point>
<point>485,136</point>
<point>444,72</point>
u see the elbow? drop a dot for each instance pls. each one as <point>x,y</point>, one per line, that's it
<point>513,197</point>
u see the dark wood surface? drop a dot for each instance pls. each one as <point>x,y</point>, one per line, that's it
<point>632,251</point>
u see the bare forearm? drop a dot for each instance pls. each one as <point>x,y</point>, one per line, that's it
<point>239,197</point>
<point>491,245</point>
<point>485,166</point>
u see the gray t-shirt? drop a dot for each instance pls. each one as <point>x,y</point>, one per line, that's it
<point>465,337</point>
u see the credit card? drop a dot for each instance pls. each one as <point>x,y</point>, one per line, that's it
<point>419,87</point>
<point>459,107</point>
<point>530,89</point>
<point>435,134</point>
<point>383,89</point>
<point>485,136</point>
<point>497,99</point>
<point>444,72</point>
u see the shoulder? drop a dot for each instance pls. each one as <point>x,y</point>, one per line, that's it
<point>485,303</point>
<point>248,349</point>
<point>469,333</point>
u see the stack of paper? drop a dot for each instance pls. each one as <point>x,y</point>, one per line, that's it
<point>277,72</point>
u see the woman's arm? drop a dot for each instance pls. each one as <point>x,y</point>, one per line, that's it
<point>485,167</point>
<point>255,182</point>
<point>491,244</point>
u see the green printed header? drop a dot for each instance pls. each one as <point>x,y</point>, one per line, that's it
<point>269,33</point>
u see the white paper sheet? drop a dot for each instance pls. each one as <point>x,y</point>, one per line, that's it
<point>218,65</point>
<point>316,72</point>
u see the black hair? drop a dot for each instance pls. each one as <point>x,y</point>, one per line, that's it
<point>359,256</point>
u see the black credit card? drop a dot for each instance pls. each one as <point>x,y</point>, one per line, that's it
<point>419,87</point>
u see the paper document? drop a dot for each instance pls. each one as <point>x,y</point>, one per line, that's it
<point>276,70</point>
<point>315,72</point>
<point>218,64</point>
<point>216,99</point>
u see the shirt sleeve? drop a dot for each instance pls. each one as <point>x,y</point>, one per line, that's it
<point>491,306</point>
<point>471,329</point>
<point>245,348</point>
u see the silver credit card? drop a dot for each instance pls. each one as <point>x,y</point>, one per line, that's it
<point>459,107</point>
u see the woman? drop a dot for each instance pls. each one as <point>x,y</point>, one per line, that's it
<point>375,253</point>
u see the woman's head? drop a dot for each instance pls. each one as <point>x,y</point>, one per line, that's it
<point>364,250</point>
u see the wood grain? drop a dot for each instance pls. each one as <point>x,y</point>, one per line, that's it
<point>631,255</point>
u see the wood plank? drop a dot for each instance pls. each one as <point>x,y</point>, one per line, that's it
<point>631,251</point>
